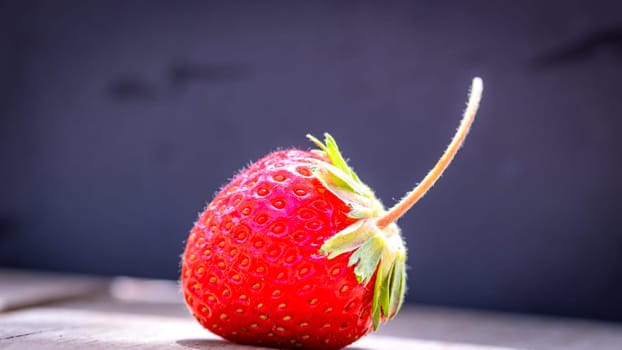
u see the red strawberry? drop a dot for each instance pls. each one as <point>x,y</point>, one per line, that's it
<point>297,252</point>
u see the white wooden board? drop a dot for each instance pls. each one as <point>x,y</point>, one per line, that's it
<point>147,314</point>
<point>52,329</point>
<point>20,288</point>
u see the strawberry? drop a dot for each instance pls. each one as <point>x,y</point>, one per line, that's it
<point>296,251</point>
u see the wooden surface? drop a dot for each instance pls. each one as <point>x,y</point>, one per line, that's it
<point>82,313</point>
<point>19,289</point>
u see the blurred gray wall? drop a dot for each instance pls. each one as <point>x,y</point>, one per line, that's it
<point>120,119</point>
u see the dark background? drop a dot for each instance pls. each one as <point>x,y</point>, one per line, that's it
<point>120,119</point>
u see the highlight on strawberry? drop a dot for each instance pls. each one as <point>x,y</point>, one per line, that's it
<point>297,252</point>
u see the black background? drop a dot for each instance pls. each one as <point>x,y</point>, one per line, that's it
<point>120,119</point>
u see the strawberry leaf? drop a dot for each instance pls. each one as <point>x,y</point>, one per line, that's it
<point>366,258</point>
<point>346,240</point>
<point>374,251</point>
<point>398,285</point>
<point>334,155</point>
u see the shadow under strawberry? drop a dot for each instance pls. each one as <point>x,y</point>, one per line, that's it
<point>211,344</point>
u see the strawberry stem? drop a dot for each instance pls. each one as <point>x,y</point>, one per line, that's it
<point>430,179</point>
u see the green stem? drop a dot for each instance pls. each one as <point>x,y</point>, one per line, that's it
<point>430,179</point>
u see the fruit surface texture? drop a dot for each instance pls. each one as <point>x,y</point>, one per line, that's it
<point>297,252</point>
<point>253,271</point>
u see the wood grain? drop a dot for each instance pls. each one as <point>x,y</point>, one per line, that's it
<point>115,315</point>
<point>52,329</point>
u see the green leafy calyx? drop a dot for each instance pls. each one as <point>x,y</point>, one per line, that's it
<point>374,251</point>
